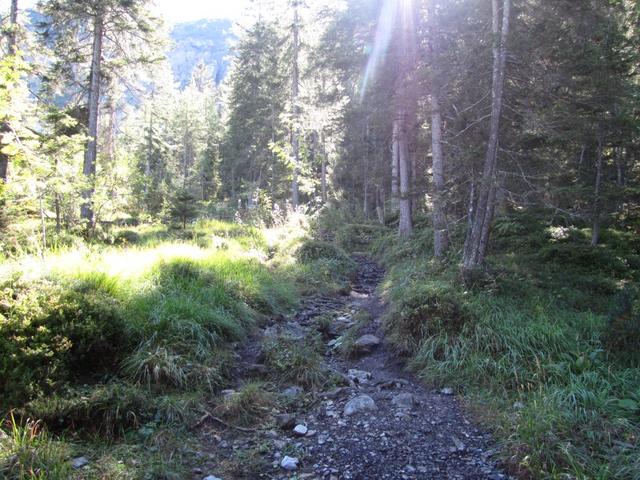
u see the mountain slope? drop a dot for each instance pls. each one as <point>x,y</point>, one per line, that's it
<point>205,41</point>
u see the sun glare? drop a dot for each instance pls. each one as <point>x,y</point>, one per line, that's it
<point>391,13</point>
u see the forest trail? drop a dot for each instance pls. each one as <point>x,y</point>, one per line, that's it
<point>400,429</point>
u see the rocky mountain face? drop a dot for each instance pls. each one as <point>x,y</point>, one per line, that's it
<point>207,41</point>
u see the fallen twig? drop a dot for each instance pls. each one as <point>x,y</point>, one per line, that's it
<point>208,415</point>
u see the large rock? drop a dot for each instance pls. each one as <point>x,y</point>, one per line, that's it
<point>79,462</point>
<point>405,401</point>
<point>363,403</point>
<point>300,430</point>
<point>289,463</point>
<point>367,343</point>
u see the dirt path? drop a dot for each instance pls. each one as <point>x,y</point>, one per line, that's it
<point>385,425</point>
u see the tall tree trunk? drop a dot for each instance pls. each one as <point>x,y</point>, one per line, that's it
<point>440,230</point>
<point>12,42</point>
<point>295,109</point>
<point>323,168</point>
<point>12,37</point>
<point>365,169</point>
<point>479,237</point>
<point>406,226</point>
<point>415,180</point>
<point>91,149</point>
<point>395,166</point>
<point>380,204</point>
<point>147,163</point>
<point>597,200</point>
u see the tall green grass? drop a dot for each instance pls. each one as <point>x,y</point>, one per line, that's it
<point>126,338</point>
<point>527,344</point>
<point>161,316</point>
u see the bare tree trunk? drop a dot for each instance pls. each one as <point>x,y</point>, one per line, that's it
<point>440,230</point>
<point>323,173</point>
<point>295,109</point>
<point>365,167</point>
<point>147,164</point>
<point>380,204</point>
<point>12,37</point>
<point>479,237</point>
<point>395,166</point>
<point>621,166</point>
<point>12,42</point>
<point>406,226</point>
<point>413,168</point>
<point>595,233</point>
<point>471,209</point>
<point>313,148</point>
<point>91,149</point>
<point>43,224</point>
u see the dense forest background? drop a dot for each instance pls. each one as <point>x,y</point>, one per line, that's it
<point>486,152</point>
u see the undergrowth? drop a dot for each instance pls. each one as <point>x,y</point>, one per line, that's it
<point>544,343</point>
<point>132,332</point>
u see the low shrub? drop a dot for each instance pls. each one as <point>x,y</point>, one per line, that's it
<point>421,308</point>
<point>622,336</point>
<point>250,405</point>
<point>51,332</point>
<point>126,237</point>
<point>581,256</point>
<point>323,267</point>
<point>108,409</point>
<point>358,237</point>
<point>296,361</point>
<point>312,250</point>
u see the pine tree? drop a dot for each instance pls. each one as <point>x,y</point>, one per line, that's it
<point>121,34</point>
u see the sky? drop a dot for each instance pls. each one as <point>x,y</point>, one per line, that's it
<point>185,10</point>
<point>175,11</point>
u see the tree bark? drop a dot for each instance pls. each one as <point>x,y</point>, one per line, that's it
<point>406,226</point>
<point>323,168</point>
<point>295,109</point>
<point>147,164</point>
<point>380,204</point>
<point>12,37</point>
<point>365,169</point>
<point>395,166</point>
<point>12,42</point>
<point>595,233</point>
<point>91,149</point>
<point>440,230</point>
<point>475,252</point>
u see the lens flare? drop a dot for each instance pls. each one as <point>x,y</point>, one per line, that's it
<point>392,11</point>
